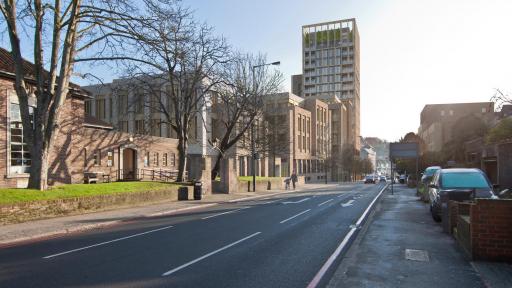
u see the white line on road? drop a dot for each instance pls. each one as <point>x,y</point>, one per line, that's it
<point>223,213</point>
<point>325,202</point>
<point>341,195</point>
<point>348,203</point>
<point>208,255</point>
<point>268,202</point>
<point>295,202</point>
<point>297,215</point>
<point>106,242</point>
<point>321,273</point>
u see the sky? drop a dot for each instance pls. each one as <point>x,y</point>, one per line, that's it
<point>412,52</point>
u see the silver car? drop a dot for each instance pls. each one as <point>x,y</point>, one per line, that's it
<point>463,183</point>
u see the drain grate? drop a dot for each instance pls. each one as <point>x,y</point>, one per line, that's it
<point>416,255</point>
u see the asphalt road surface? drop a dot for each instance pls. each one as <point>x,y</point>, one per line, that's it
<point>279,241</point>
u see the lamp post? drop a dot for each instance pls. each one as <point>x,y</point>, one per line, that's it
<point>253,141</point>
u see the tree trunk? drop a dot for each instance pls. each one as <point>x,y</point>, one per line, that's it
<point>182,159</point>
<point>216,167</point>
<point>39,165</point>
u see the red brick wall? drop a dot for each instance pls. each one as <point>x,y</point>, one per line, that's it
<point>491,230</point>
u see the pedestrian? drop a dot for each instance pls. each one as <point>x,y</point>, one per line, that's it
<point>287,183</point>
<point>294,179</point>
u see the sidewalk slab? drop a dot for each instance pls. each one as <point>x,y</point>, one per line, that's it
<point>39,229</point>
<point>401,246</point>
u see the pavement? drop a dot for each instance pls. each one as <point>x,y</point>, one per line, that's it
<point>401,246</point>
<point>56,227</point>
<point>280,240</point>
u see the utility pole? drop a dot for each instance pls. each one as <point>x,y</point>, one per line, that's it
<point>253,140</point>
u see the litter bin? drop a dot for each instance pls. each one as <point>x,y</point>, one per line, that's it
<point>198,190</point>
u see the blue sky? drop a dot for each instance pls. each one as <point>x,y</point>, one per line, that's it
<point>412,52</point>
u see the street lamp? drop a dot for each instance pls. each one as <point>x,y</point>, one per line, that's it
<point>253,143</point>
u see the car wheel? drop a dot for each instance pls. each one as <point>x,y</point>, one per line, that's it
<point>435,216</point>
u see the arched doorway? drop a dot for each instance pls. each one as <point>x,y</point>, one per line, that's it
<point>129,163</point>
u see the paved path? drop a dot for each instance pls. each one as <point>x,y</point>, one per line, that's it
<point>276,241</point>
<point>378,257</point>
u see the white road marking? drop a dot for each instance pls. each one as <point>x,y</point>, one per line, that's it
<point>208,255</point>
<point>268,202</point>
<point>297,215</point>
<point>321,273</point>
<point>223,213</point>
<point>106,242</point>
<point>325,202</point>
<point>295,202</point>
<point>348,203</point>
<point>341,195</point>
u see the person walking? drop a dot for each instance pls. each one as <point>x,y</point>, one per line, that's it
<point>294,179</point>
<point>287,183</point>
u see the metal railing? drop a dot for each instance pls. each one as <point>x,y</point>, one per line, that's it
<point>149,175</point>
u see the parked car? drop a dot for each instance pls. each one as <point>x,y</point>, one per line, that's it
<point>402,179</point>
<point>382,179</point>
<point>422,187</point>
<point>467,183</point>
<point>369,179</point>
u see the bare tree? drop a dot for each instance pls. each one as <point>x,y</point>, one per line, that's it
<point>501,99</point>
<point>176,64</point>
<point>239,100</point>
<point>66,29</point>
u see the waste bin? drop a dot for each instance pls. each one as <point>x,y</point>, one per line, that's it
<point>198,190</point>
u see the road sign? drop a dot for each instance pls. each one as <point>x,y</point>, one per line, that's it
<point>403,150</point>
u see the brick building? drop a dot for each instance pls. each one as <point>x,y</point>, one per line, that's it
<point>84,143</point>
<point>437,120</point>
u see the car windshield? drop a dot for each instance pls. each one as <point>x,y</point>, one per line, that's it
<point>464,180</point>
<point>430,171</point>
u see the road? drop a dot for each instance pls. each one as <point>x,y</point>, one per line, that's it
<point>279,241</point>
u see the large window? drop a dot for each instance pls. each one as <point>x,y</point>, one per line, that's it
<point>19,152</point>
<point>100,109</point>
<point>88,107</point>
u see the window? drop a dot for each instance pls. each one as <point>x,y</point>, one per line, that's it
<point>139,103</point>
<point>484,110</point>
<point>156,127</point>
<point>87,107</point>
<point>173,159</point>
<point>97,157</point>
<point>300,122</point>
<point>20,154</point>
<point>164,159</point>
<point>146,159</point>
<point>110,108</point>
<point>299,141</point>
<point>464,180</point>
<point>139,126</point>
<point>100,109</point>
<point>122,102</point>
<point>451,112</point>
<point>442,112</point>
<point>110,158</point>
<point>123,126</point>
<point>155,159</point>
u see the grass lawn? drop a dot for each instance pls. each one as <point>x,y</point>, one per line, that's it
<point>13,195</point>
<point>249,178</point>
